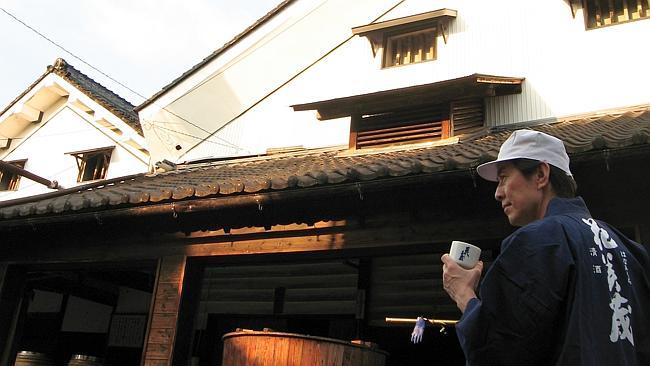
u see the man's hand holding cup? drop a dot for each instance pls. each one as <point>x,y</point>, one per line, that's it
<point>461,272</point>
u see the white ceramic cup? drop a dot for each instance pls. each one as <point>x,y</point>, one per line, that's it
<point>465,254</point>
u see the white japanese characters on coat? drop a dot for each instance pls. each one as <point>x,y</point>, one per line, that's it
<point>621,322</point>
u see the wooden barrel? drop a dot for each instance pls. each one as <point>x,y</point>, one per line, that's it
<point>275,348</point>
<point>84,360</point>
<point>29,358</point>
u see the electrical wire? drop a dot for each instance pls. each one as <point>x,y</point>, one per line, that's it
<point>296,75</point>
<point>117,82</point>
<point>199,138</point>
<point>211,134</point>
<point>72,54</point>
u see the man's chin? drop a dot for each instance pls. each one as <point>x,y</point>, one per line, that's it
<point>514,222</point>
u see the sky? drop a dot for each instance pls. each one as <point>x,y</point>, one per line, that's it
<point>143,44</point>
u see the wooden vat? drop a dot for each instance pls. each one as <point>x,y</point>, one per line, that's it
<point>28,358</point>
<point>83,360</point>
<point>258,348</point>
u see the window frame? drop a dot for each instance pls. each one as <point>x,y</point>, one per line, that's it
<point>388,57</point>
<point>82,159</point>
<point>378,33</point>
<point>589,25</point>
<point>13,183</point>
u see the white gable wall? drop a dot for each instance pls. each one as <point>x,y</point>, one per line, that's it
<point>46,153</point>
<point>65,127</point>
<point>271,62</point>
<point>568,70</point>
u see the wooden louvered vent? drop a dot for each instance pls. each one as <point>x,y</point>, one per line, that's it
<point>401,127</point>
<point>467,116</point>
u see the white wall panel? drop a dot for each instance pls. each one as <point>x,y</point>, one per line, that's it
<point>567,70</point>
<point>46,153</point>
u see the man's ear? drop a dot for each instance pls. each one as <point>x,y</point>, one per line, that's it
<point>543,175</point>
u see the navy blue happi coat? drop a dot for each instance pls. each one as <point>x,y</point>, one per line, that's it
<point>565,290</point>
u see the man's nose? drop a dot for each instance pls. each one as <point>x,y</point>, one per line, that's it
<point>498,193</point>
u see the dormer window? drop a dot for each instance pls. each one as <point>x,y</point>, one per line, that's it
<point>9,180</point>
<point>601,13</point>
<point>411,47</point>
<point>407,40</point>
<point>92,164</point>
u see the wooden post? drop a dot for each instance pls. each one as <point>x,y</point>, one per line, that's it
<point>163,316</point>
<point>355,120</point>
<point>192,283</point>
<point>446,129</point>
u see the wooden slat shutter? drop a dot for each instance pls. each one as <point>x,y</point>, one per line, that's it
<point>402,127</point>
<point>467,116</point>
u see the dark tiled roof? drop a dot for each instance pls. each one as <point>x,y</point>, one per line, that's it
<point>332,167</point>
<point>219,51</point>
<point>106,98</point>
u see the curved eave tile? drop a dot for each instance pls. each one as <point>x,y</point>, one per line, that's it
<point>327,168</point>
<point>206,189</point>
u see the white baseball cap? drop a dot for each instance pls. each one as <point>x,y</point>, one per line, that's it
<point>528,144</point>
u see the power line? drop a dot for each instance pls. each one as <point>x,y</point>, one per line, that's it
<point>72,54</point>
<point>232,145</point>
<point>195,125</point>
<point>198,138</point>
<point>296,75</point>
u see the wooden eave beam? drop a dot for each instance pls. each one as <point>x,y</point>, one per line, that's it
<point>431,16</point>
<point>344,236</point>
<point>242,204</point>
<point>106,150</point>
<point>476,85</point>
<point>375,31</point>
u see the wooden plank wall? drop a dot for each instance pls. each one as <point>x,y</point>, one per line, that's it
<point>409,286</point>
<point>308,288</point>
<point>400,286</point>
<point>159,341</point>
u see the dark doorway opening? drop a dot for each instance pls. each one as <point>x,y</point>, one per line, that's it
<point>98,310</point>
<point>341,298</point>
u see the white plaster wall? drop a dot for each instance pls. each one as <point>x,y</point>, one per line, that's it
<point>46,149</point>
<point>244,107</point>
<point>275,60</point>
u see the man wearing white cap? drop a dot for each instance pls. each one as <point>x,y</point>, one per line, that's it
<point>566,289</point>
